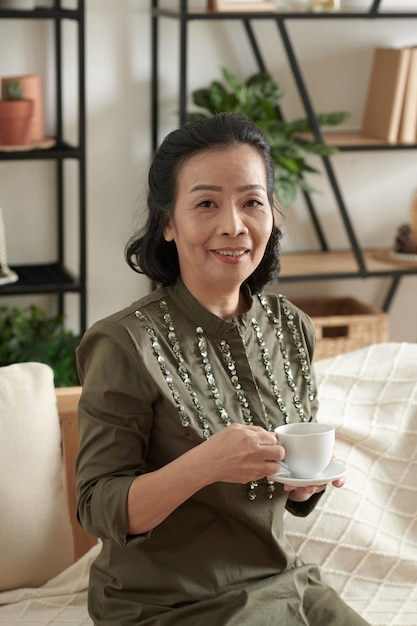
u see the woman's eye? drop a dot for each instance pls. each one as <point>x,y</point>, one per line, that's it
<point>253,203</point>
<point>206,204</point>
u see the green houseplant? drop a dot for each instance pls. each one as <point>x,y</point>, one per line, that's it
<point>28,334</point>
<point>259,98</point>
<point>15,114</point>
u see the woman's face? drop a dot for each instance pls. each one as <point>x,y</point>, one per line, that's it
<point>222,219</point>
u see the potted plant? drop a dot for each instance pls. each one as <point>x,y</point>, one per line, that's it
<point>28,334</point>
<point>259,98</point>
<point>15,115</point>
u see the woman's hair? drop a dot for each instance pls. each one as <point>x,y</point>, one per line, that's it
<point>148,252</point>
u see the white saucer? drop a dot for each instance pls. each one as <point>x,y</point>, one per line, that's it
<point>332,472</point>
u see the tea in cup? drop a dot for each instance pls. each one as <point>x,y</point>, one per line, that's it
<point>309,447</point>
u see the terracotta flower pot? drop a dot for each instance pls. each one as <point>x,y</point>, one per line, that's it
<point>15,116</point>
<point>32,90</point>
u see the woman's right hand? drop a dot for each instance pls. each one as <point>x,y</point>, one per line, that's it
<point>239,454</point>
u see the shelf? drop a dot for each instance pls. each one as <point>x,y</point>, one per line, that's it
<point>61,150</point>
<point>353,140</point>
<point>40,13</point>
<point>320,265</point>
<point>54,278</point>
<point>44,278</point>
<point>282,14</point>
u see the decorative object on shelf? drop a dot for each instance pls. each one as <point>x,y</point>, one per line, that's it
<point>298,5</point>
<point>408,123</point>
<point>15,115</point>
<point>405,245</point>
<point>7,275</point>
<point>258,98</point>
<point>315,6</point>
<point>325,5</point>
<point>32,90</point>
<point>405,242</point>
<point>241,5</point>
<point>28,334</point>
<point>386,91</point>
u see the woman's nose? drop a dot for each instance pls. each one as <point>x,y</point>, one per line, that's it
<point>232,222</point>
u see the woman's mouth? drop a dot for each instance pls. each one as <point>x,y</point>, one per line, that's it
<point>233,253</point>
<point>231,256</point>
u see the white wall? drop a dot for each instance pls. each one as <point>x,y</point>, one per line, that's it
<point>335,56</point>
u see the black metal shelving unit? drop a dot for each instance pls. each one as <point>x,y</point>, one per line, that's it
<point>55,278</point>
<point>305,266</point>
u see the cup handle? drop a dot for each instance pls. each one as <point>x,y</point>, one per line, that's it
<point>284,466</point>
<point>282,463</point>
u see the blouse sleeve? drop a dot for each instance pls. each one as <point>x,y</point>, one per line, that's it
<point>115,419</point>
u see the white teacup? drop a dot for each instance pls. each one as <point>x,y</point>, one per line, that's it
<point>309,447</point>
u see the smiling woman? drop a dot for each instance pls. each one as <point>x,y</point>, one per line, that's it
<point>181,393</point>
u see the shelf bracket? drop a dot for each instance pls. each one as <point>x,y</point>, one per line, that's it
<point>307,197</point>
<point>374,8</point>
<point>312,117</point>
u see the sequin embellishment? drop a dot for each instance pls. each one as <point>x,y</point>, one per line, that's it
<point>185,377</point>
<point>211,381</point>
<point>301,352</point>
<point>184,418</point>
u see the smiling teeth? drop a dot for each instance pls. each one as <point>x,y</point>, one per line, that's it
<point>230,253</point>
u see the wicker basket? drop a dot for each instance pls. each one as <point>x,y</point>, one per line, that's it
<point>344,324</point>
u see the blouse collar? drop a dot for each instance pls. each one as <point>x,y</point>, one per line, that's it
<point>197,314</point>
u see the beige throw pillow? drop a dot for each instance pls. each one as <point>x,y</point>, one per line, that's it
<point>35,530</point>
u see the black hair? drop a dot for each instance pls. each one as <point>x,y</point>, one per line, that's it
<point>147,252</point>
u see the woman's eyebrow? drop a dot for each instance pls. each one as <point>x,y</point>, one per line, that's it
<point>249,187</point>
<point>204,187</point>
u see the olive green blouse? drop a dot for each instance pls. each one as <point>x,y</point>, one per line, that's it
<point>158,378</point>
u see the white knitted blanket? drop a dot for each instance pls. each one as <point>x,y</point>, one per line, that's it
<point>364,535</point>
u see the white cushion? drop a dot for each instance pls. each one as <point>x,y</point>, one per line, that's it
<point>35,530</point>
<point>364,535</point>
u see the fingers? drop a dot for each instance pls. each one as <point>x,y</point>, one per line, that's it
<point>310,489</point>
<point>302,494</point>
<point>241,453</point>
<point>261,442</point>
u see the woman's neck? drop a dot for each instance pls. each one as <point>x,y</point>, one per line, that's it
<point>224,305</point>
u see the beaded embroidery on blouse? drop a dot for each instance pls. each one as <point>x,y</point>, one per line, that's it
<point>186,379</point>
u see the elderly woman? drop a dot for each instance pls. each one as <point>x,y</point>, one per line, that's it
<point>181,393</point>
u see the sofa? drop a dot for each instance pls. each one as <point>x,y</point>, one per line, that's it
<point>364,535</point>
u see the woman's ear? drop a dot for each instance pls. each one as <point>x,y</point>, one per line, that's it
<point>277,214</point>
<point>168,231</point>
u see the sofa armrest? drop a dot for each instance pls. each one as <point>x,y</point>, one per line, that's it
<point>67,400</point>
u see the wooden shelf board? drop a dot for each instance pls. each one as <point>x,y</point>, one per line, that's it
<point>353,139</point>
<point>377,261</point>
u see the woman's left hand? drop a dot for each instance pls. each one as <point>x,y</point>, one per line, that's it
<point>301,494</point>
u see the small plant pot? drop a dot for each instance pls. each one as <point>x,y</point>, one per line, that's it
<point>32,90</point>
<point>15,116</point>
